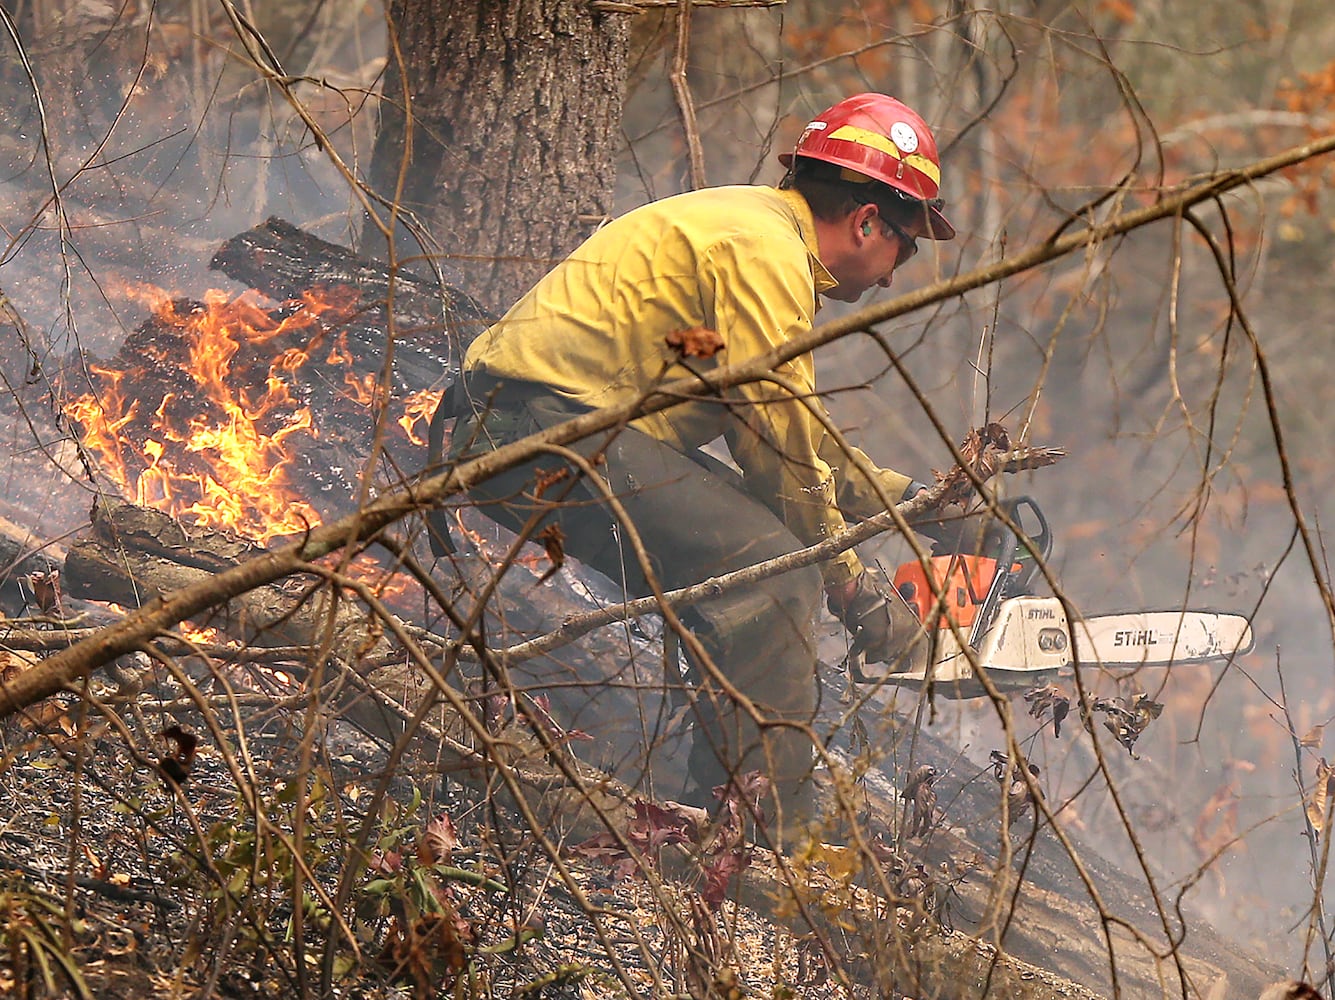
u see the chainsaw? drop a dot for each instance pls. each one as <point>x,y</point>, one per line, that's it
<point>975,591</point>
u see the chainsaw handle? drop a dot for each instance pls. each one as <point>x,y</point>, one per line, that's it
<point>1026,515</point>
<point>1042,538</point>
<point>1001,582</point>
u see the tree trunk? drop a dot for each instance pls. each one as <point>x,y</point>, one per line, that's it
<point>506,155</point>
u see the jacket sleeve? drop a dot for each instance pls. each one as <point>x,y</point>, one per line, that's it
<point>858,496</point>
<point>789,460</point>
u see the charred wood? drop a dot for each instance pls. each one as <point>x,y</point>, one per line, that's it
<point>134,554</point>
<point>433,321</point>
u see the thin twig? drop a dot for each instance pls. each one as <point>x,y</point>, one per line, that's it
<point>681,89</point>
<point>1319,861</point>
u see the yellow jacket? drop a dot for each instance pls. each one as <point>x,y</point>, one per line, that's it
<point>738,260</point>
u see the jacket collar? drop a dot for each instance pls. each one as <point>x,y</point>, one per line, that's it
<point>806,225</point>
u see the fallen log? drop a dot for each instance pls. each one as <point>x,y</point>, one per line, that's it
<point>134,554</point>
<point>433,321</point>
<point>283,261</point>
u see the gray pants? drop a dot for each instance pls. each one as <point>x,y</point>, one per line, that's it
<point>695,520</point>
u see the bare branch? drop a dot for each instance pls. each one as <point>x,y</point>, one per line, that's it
<point>165,612</point>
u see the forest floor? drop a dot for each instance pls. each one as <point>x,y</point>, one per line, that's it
<point>129,875</point>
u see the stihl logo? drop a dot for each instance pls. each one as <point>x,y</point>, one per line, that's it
<point>1135,637</point>
<point>1045,613</point>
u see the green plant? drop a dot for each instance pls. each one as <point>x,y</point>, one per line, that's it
<point>255,875</point>
<point>428,941</point>
<point>32,934</point>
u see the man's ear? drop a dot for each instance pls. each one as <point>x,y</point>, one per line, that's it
<point>864,218</point>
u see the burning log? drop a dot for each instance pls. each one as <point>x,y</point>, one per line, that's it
<point>242,416</point>
<point>433,321</point>
<point>134,554</point>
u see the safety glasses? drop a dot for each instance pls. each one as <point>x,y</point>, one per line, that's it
<point>908,245</point>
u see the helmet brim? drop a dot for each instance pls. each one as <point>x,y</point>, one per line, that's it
<point>937,225</point>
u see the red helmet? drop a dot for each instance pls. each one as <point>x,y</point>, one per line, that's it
<point>881,138</point>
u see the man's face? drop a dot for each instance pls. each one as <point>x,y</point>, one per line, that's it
<point>885,246</point>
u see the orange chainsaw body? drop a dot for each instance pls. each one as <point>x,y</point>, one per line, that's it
<point>961,581</point>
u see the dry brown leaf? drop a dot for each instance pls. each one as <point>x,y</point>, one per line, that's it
<point>922,795</point>
<point>98,866</point>
<point>658,824</point>
<point>51,720</point>
<point>1049,699</point>
<point>46,590</point>
<point>1317,803</point>
<point>697,342</point>
<point>720,871</point>
<point>553,541</point>
<point>176,766</point>
<point>439,841</point>
<point>13,662</point>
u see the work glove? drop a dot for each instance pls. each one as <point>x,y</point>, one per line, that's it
<point>880,623</point>
<point>947,531</point>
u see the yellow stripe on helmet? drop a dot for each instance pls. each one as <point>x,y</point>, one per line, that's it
<point>866,137</point>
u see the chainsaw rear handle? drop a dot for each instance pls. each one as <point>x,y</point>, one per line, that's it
<point>1016,564</point>
<point>1026,515</point>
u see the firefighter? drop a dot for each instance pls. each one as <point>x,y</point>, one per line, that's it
<point>750,263</point>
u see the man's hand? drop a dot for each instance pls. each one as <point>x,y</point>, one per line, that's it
<point>932,522</point>
<point>881,625</point>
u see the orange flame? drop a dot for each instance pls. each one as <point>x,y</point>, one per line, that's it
<point>417,412</point>
<point>204,418</point>
<point>225,465</point>
<point>203,635</point>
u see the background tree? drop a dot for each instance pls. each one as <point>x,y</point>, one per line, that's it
<point>498,132</point>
